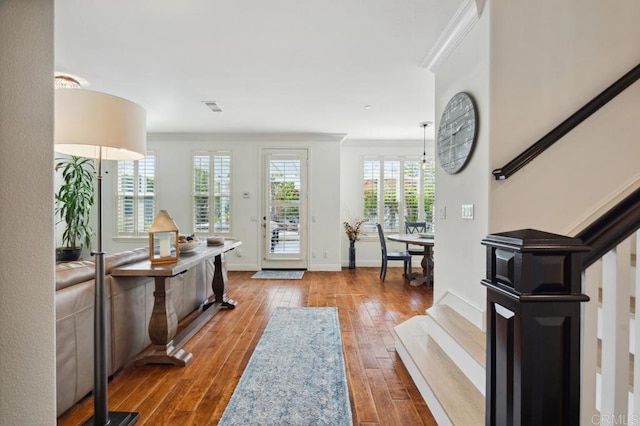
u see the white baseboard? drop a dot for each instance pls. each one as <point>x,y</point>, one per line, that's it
<point>243,267</point>
<point>627,188</point>
<point>329,267</point>
<point>375,264</point>
<point>325,267</point>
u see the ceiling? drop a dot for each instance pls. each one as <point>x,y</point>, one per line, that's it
<point>277,66</point>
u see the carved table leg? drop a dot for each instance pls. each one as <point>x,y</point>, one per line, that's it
<point>426,269</point>
<point>219,285</point>
<point>427,264</point>
<point>162,329</point>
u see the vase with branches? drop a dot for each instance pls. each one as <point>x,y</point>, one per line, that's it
<point>353,233</point>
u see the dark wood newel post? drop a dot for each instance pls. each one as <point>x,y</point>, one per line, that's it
<point>533,328</point>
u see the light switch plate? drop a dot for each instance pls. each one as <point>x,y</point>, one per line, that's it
<point>442,212</point>
<point>467,211</point>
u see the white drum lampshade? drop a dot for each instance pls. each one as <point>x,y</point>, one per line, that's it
<point>87,121</point>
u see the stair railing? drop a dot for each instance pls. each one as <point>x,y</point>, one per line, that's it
<point>567,125</point>
<point>610,337</point>
<point>531,309</point>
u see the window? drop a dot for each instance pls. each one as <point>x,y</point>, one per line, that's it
<point>212,192</point>
<point>396,191</point>
<point>135,193</point>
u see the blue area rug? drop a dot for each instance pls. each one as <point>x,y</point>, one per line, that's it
<point>278,275</point>
<point>296,375</point>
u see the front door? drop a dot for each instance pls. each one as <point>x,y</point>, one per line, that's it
<point>284,218</point>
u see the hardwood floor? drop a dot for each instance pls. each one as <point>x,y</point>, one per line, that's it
<point>381,390</point>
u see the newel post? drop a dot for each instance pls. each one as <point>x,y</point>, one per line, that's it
<point>533,328</point>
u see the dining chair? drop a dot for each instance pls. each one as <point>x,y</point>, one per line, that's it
<point>386,256</point>
<point>415,228</point>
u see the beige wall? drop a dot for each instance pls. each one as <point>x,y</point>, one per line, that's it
<point>548,59</point>
<point>530,65</point>
<point>27,316</point>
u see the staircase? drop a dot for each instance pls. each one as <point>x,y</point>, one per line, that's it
<point>445,356</point>
<point>445,353</point>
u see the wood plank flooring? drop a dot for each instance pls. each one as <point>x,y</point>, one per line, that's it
<point>381,390</point>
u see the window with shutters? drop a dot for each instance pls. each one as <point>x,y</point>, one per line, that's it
<point>395,191</point>
<point>135,196</point>
<point>212,192</point>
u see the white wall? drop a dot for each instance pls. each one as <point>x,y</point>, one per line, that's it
<point>333,169</point>
<point>174,174</point>
<point>459,259</point>
<point>351,190</point>
<point>27,314</point>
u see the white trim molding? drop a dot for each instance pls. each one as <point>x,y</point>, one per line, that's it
<point>587,219</point>
<point>236,137</point>
<point>456,30</point>
<point>468,310</point>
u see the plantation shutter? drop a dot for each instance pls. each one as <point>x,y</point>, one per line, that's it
<point>222,193</point>
<point>135,196</point>
<point>212,192</point>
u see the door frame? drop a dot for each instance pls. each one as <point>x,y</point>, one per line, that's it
<point>303,261</point>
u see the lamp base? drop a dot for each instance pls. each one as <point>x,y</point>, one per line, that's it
<point>117,418</point>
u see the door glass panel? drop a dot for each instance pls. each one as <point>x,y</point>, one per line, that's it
<point>284,207</point>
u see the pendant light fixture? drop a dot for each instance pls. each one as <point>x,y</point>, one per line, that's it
<point>424,125</point>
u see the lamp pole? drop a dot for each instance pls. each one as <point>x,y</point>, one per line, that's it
<point>97,125</point>
<point>101,414</point>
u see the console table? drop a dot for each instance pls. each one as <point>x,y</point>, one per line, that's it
<point>166,347</point>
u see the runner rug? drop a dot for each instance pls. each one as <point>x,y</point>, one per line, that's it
<point>278,275</point>
<point>296,375</point>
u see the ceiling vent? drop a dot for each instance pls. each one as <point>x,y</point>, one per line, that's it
<point>213,106</point>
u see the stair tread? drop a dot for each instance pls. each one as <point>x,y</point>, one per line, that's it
<point>457,395</point>
<point>468,336</point>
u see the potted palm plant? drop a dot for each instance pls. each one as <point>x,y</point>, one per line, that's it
<point>74,201</point>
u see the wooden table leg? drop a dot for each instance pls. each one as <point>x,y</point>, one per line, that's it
<point>426,269</point>
<point>219,285</point>
<point>162,329</point>
<point>427,260</point>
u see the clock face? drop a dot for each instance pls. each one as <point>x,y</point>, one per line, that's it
<point>457,133</point>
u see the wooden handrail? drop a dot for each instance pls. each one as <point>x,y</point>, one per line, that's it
<point>569,124</point>
<point>611,228</point>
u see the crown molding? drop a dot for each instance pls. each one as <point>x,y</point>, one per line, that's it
<point>456,30</point>
<point>240,137</point>
<point>386,143</point>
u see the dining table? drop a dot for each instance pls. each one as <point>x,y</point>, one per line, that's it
<point>427,243</point>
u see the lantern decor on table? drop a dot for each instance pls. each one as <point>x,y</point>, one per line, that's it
<point>163,234</point>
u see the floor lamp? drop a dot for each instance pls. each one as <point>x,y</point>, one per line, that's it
<point>105,127</point>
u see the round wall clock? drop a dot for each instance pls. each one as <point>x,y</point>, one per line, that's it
<point>457,133</point>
